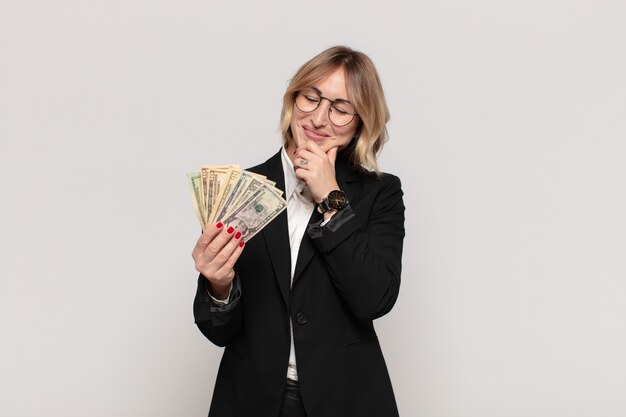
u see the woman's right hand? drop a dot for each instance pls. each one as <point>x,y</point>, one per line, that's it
<point>215,254</point>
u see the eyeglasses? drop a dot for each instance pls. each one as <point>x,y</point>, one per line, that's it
<point>340,111</point>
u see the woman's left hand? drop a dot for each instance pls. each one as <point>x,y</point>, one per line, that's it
<point>315,166</point>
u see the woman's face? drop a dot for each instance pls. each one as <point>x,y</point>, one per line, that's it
<point>316,126</point>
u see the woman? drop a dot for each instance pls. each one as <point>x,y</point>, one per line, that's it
<point>294,306</point>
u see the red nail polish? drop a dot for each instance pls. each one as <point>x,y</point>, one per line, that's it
<point>219,225</point>
<point>295,151</point>
<point>237,235</point>
<point>241,244</point>
<point>230,230</point>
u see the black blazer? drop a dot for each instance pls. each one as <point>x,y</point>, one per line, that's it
<point>345,277</point>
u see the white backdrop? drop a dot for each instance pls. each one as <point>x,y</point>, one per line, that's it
<point>508,129</point>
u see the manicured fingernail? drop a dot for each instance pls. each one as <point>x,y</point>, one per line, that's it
<point>295,151</point>
<point>219,225</point>
<point>230,230</point>
<point>241,244</point>
<point>237,235</point>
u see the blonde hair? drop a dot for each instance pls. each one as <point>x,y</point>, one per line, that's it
<point>365,93</point>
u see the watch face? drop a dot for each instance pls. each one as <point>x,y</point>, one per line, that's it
<point>337,200</point>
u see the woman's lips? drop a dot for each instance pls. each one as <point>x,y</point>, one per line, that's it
<point>313,134</point>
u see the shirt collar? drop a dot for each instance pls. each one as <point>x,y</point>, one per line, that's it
<point>292,183</point>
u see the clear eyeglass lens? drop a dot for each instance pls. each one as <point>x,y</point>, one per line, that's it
<point>308,100</point>
<point>340,113</point>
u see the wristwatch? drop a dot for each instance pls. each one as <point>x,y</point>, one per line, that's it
<point>335,200</point>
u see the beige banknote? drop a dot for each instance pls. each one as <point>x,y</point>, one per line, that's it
<point>216,178</point>
<point>231,179</point>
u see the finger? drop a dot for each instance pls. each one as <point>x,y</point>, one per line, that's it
<point>225,253</point>
<point>307,155</point>
<point>298,139</point>
<point>301,163</point>
<point>329,145</point>
<point>216,245</point>
<point>314,148</point>
<point>207,237</point>
<point>302,174</point>
<point>232,259</point>
<point>332,155</point>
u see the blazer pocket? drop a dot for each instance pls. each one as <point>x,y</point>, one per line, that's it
<point>357,342</point>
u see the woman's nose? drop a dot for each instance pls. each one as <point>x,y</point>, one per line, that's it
<point>319,117</point>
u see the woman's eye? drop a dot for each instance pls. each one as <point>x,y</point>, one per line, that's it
<point>312,99</point>
<point>340,110</point>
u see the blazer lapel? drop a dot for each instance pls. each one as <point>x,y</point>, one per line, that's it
<point>307,249</point>
<point>276,233</point>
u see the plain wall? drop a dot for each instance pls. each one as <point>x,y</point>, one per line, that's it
<point>508,130</point>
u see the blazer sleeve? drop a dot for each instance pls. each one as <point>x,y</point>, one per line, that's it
<point>364,256</point>
<point>220,323</point>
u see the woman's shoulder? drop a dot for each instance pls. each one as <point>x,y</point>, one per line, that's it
<point>380,179</point>
<point>378,188</point>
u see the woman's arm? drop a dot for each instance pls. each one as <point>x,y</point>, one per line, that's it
<point>215,255</point>
<point>220,323</point>
<point>363,256</point>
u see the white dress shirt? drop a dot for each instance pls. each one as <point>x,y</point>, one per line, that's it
<point>299,209</point>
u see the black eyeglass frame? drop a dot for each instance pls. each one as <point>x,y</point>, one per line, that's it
<point>319,93</point>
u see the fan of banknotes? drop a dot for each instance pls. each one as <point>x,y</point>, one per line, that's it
<point>236,197</point>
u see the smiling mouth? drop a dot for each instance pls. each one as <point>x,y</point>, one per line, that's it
<point>314,135</point>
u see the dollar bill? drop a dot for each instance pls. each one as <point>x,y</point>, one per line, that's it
<point>231,179</point>
<point>255,213</point>
<point>247,185</point>
<point>204,185</point>
<point>216,177</point>
<point>194,180</point>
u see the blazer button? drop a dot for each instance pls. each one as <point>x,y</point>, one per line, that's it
<point>301,318</point>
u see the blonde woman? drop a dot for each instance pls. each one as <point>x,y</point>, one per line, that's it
<point>294,307</point>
